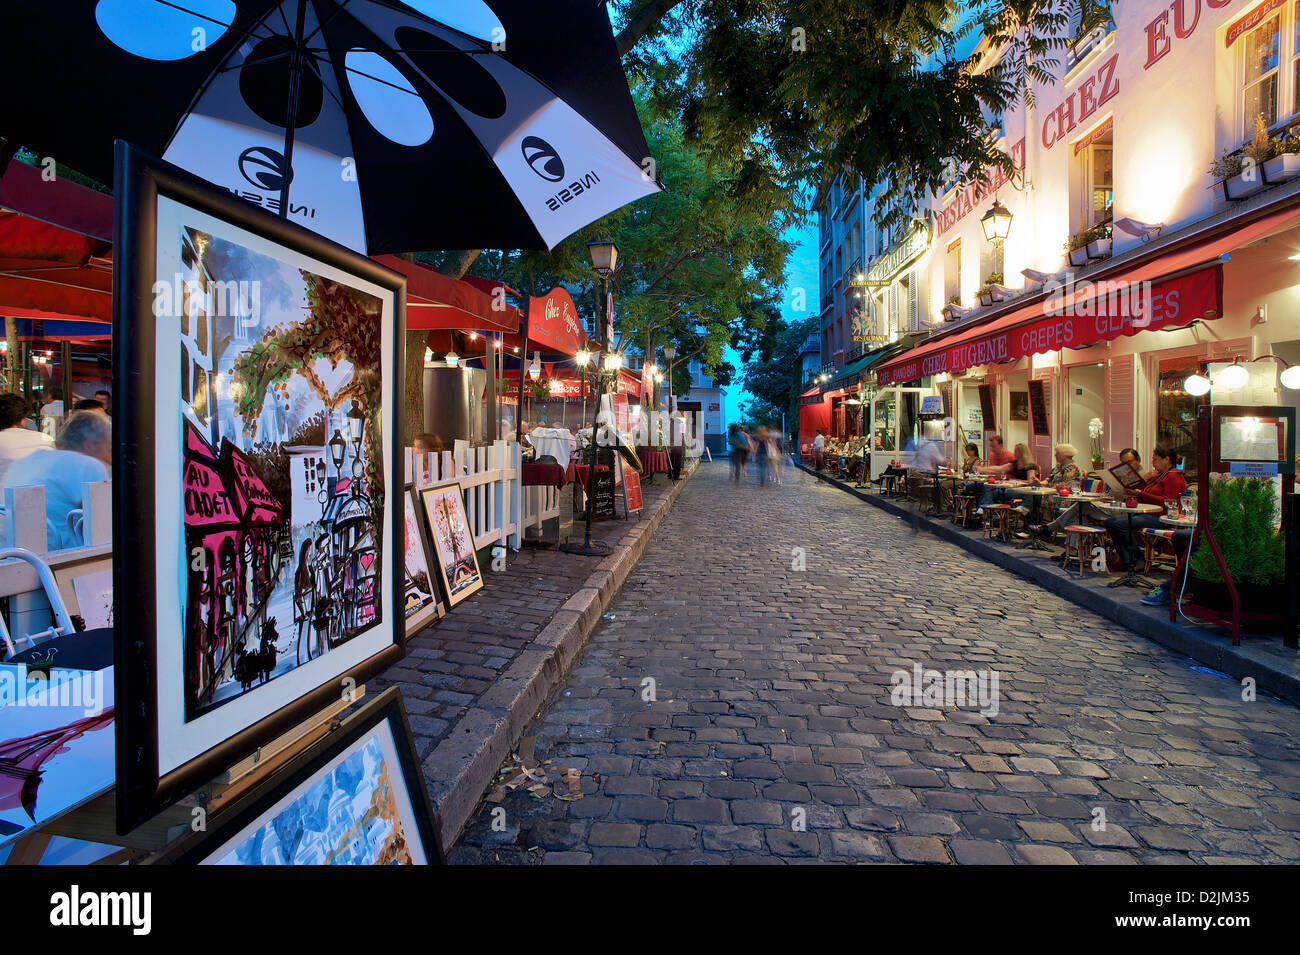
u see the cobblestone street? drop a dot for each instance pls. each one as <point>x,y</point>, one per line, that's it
<point>772,738</point>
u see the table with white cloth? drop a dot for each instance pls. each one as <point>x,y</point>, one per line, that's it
<point>556,442</point>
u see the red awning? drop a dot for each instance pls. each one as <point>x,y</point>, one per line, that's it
<point>1183,283</point>
<point>53,273</point>
<point>60,202</point>
<point>434,301</point>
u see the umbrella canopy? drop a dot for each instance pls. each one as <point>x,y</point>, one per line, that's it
<point>408,125</point>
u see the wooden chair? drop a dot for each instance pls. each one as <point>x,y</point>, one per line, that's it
<point>999,521</point>
<point>963,509</point>
<point>1080,541</point>
<point>1158,544</point>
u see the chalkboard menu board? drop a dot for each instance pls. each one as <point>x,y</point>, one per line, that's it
<point>986,407</point>
<point>602,495</point>
<point>1038,407</point>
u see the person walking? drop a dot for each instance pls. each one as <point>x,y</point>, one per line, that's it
<point>739,444</point>
<point>761,454</point>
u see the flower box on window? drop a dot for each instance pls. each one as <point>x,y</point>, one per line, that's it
<point>1079,257</point>
<point>1282,168</point>
<point>1098,248</point>
<point>1243,185</point>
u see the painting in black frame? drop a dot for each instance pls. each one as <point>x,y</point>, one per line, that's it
<point>420,601</point>
<point>452,540</point>
<point>355,797</point>
<point>264,581</point>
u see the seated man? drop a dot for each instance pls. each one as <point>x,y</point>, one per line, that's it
<point>1159,596</point>
<point>1167,483</point>
<point>998,465</point>
<point>82,453</point>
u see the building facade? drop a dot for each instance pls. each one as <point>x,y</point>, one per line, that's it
<point>1129,264</point>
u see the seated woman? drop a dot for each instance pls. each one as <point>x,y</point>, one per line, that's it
<point>1066,473</point>
<point>970,459</point>
<point>1165,483</point>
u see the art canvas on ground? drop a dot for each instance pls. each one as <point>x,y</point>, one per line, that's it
<point>453,543</point>
<point>422,604</point>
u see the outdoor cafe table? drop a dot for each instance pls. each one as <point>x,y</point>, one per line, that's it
<point>545,475</point>
<point>1037,494</point>
<point>1131,578</point>
<point>654,461</point>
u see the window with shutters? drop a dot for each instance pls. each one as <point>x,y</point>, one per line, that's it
<point>1121,409</point>
<point>1176,411</point>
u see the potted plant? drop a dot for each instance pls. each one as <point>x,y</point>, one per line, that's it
<point>994,283</point>
<point>1284,164</point>
<point>1243,518</point>
<point>1076,250</point>
<point>1094,437</point>
<point>1097,241</point>
<point>985,295</point>
<point>1240,172</point>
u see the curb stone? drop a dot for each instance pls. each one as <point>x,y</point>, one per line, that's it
<point>1210,647</point>
<point>461,767</point>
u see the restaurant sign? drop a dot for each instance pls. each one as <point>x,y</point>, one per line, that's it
<point>1085,320</point>
<point>900,255</point>
<point>975,192</point>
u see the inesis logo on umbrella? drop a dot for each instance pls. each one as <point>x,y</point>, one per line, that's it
<point>263,167</point>
<point>544,160</point>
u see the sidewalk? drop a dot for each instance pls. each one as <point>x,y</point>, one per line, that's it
<point>1261,656</point>
<point>473,680</point>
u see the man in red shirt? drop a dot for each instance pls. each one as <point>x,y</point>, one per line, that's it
<point>1164,483</point>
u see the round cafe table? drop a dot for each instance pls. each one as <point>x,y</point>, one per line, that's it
<point>653,461</point>
<point>1177,521</point>
<point>1131,578</point>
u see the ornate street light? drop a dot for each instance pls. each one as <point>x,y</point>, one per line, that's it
<point>338,448</point>
<point>604,255</point>
<point>996,223</point>
<point>451,359</point>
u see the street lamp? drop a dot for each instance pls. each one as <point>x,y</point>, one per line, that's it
<point>996,224</point>
<point>338,448</point>
<point>604,261</point>
<point>451,359</point>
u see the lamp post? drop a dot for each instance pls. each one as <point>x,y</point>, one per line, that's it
<point>582,359</point>
<point>996,224</point>
<point>604,260</point>
<point>670,352</point>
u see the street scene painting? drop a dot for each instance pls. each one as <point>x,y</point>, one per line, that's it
<point>421,593</point>
<point>452,542</point>
<point>281,470</point>
<point>356,810</point>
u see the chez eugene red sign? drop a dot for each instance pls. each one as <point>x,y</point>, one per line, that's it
<point>1102,316</point>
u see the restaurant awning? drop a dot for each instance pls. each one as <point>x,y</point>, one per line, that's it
<point>847,377</point>
<point>1168,286</point>
<point>435,301</point>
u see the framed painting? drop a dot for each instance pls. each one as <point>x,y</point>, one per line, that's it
<point>453,544</point>
<point>421,598</point>
<point>86,587</point>
<point>259,368</point>
<point>355,797</point>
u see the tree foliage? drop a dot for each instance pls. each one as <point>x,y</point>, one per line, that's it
<point>702,261</point>
<point>885,89</point>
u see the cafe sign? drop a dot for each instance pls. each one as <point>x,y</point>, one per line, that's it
<point>864,328</point>
<point>900,255</point>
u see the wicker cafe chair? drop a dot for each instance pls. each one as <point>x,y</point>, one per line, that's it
<point>963,509</point>
<point>999,520</point>
<point>1080,541</point>
<point>1158,544</point>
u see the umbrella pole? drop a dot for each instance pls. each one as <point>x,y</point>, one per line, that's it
<point>523,360</point>
<point>291,108</point>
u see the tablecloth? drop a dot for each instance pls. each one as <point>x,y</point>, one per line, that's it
<point>653,460</point>
<point>544,475</point>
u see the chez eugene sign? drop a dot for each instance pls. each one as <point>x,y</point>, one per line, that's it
<point>1076,315</point>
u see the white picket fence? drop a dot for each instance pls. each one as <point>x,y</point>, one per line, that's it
<point>499,508</point>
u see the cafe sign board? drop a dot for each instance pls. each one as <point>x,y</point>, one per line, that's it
<point>899,257</point>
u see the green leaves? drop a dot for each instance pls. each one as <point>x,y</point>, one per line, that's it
<point>1243,517</point>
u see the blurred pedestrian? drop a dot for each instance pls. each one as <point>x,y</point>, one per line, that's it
<point>738,441</point>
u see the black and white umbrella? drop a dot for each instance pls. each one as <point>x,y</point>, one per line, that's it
<point>408,125</point>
